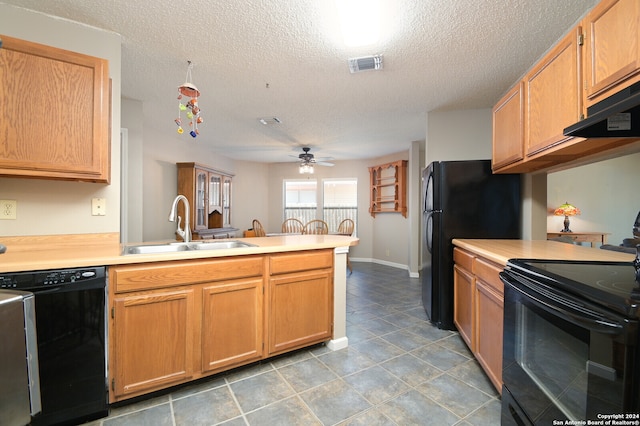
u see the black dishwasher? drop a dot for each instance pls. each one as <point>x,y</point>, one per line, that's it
<point>71,333</point>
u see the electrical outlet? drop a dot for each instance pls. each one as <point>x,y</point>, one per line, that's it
<point>8,209</point>
<point>98,207</point>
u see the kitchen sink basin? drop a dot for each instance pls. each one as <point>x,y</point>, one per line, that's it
<point>177,247</point>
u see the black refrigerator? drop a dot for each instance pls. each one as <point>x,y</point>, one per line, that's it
<point>461,199</point>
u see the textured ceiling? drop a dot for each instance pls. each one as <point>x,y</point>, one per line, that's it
<point>285,58</point>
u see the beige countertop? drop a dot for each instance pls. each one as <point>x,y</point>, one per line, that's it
<point>500,251</point>
<point>70,251</point>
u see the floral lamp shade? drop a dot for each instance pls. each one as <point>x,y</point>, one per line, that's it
<point>566,210</point>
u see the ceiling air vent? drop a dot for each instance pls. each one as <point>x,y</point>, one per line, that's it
<point>269,120</point>
<point>365,63</point>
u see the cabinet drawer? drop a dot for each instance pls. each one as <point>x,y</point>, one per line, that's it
<point>170,274</point>
<point>301,261</point>
<point>488,272</point>
<point>463,259</point>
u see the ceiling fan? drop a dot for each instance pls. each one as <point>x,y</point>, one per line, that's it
<point>307,158</point>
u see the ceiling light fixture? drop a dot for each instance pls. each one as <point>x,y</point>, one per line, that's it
<point>306,168</point>
<point>360,21</point>
<point>189,90</point>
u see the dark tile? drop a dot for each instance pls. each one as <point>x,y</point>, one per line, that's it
<point>260,390</point>
<point>378,350</point>
<point>453,394</point>
<point>248,371</point>
<point>456,344</point>
<point>357,334</point>
<point>159,415</point>
<point>376,384</point>
<point>405,339</point>
<point>346,361</point>
<point>306,374</point>
<point>200,386</point>
<point>413,408</point>
<point>334,402</point>
<point>291,411</point>
<point>206,408</point>
<point>372,417</point>
<point>137,406</point>
<point>488,414</point>
<point>401,320</point>
<point>471,373</point>
<point>439,356</point>
<point>410,369</point>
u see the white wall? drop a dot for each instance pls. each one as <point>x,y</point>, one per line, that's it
<point>458,135</point>
<point>606,193</point>
<point>47,207</point>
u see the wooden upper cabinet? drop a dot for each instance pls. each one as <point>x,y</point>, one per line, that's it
<point>508,128</point>
<point>553,95</point>
<point>612,48</point>
<point>54,114</point>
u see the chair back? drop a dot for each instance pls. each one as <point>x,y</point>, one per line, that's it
<point>292,226</point>
<point>316,226</point>
<point>258,229</point>
<point>346,227</point>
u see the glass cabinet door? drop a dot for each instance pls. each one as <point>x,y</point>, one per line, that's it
<point>214,193</point>
<point>226,202</point>
<point>200,213</point>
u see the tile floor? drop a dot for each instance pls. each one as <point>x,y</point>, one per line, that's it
<point>397,370</point>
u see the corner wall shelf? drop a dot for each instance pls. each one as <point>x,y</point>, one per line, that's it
<point>388,188</point>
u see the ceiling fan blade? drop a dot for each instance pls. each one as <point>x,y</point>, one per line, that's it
<point>324,163</point>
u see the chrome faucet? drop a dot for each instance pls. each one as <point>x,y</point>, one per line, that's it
<point>185,232</point>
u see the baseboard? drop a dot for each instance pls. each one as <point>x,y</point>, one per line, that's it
<point>337,344</point>
<point>386,263</point>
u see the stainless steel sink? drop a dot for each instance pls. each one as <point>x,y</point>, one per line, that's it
<point>176,247</point>
<point>215,245</point>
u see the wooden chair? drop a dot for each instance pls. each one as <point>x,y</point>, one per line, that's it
<point>346,228</point>
<point>292,226</point>
<point>258,229</point>
<point>316,227</point>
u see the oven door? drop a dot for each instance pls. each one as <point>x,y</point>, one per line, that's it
<point>563,358</point>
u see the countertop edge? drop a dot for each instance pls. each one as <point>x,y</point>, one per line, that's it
<point>500,251</point>
<point>32,254</point>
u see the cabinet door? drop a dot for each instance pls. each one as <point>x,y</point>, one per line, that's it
<point>226,202</point>
<point>463,307</point>
<point>201,200</point>
<point>215,193</point>
<point>300,310</point>
<point>612,46</point>
<point>553,95</point>
<point>508,128</point>
<point>54,113</point>
<point>232,319</point>
<point>153,341</point>
<point>489,322</point>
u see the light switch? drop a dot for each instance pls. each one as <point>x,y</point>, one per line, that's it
<point>98,207</point>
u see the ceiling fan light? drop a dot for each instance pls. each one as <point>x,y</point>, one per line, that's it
<point>306,168</point>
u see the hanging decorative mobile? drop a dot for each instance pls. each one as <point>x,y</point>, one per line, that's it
<point>190,91</point>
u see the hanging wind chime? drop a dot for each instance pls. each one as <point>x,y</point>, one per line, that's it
<point>189,91</point>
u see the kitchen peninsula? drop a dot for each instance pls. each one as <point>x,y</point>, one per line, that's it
<point>179,316</point>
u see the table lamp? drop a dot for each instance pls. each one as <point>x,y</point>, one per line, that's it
<point>566,210</point>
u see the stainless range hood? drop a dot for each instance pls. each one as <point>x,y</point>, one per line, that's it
<point>617,116</point>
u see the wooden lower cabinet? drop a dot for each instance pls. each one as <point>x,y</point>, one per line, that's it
<point>464,292</point>
<point>488,352</point>
<point>232,316</point>
<point>153,340</point>
<point>301,310</point>
<point>478,310</point>
<point>301,300</point>
<point>173,322</point>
